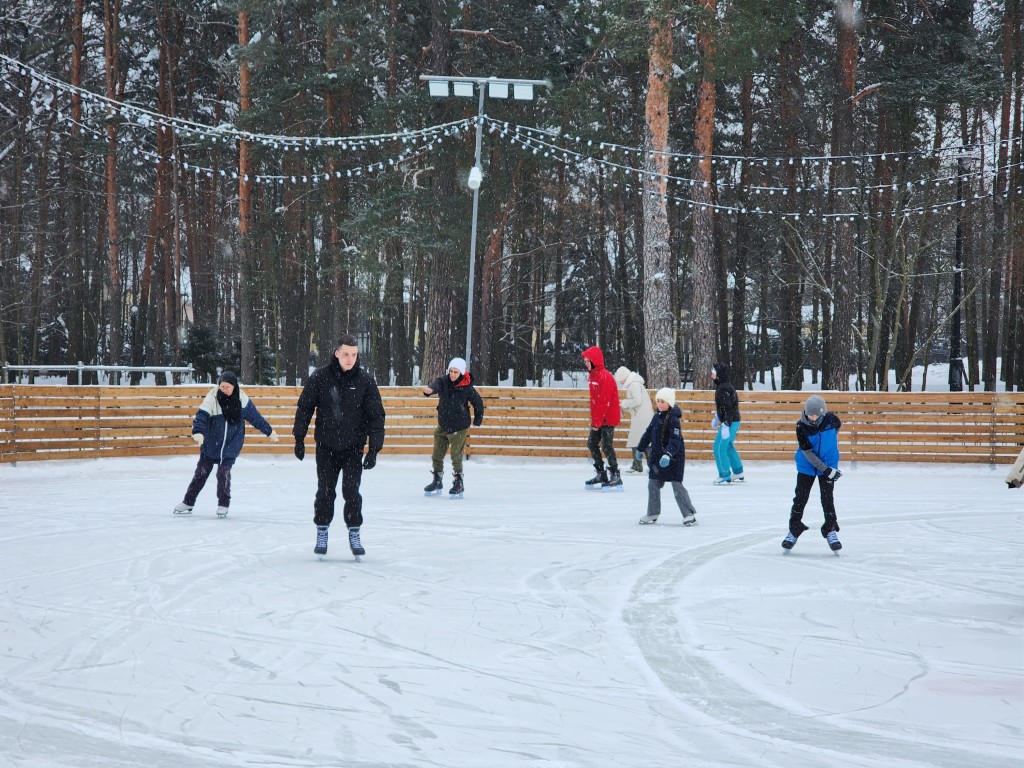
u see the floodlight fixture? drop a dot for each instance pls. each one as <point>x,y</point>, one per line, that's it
<point>497,90</point>
<point>522,91</point>
<point>475,177</point>
<point>437,87</point>
<point>463,88</point>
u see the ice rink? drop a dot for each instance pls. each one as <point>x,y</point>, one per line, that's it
<point>530,625</point>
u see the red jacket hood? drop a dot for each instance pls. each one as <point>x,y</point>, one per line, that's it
<point>595,356</point>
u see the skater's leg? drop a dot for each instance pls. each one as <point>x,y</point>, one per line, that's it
<point>608,448</point>
<point>800,497</point>
<point>731,454</point>
<point>638,465</point>
<point>440,449</point>
<point>683,499</point>
<point>351,475</point>
<point>720,450</point>
<point>328,466</point>
<point>594,446</point>
<point>828,506</point>
<point>457,440</point>
<point>654,497</point>
<point>224,482</point>
<point>203,469</point>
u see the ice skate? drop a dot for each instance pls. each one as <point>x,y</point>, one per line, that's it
<point>614,482</point>
<point>598,480</point>
<point>789,541</point>
<point>183,509</point>
<point>649,519</point>
<point>738,478</point>
<point>355,545</point>
<point>435,487</point>
<point>689,519</point>
<point>222,511</point>
<point>636,468</point>
<point>321,541</point>
<point>457,490</point>
<point>833,541</point>
<point>722,481</point>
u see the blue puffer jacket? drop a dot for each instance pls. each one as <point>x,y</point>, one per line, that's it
<point>818,444</point>
<point>223,440</point>
<point>661,438</point>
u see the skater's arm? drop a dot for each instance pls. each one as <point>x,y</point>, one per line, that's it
<point>478,406</point>
<point>251,414</point>
<point>808,450</point>
<point>373,417</point>
<point>304,409</point>
<point>433,388</point>
<point>634,393</point>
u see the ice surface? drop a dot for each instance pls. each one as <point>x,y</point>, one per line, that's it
<point>532,624</point>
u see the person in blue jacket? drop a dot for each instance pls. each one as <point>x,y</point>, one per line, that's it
<point>666,458</point>
<point>219,431</point>
<point>817,456</point>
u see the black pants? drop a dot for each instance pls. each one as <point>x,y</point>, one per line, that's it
<point>329,464</point>
<point>602,440</point>
<point>203,470</point>
<point>804,483</point>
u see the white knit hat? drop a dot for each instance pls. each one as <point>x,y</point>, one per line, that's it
<point>667,394</point>
<point>458,364</point>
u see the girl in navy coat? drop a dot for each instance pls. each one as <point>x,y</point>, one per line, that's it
<point>666,458</point>
<point>219,431</point>
<point>817,456</point>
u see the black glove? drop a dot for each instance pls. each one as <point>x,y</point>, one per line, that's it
<point>370,461</point>
<point>300,450</point>
<point>831,475</point>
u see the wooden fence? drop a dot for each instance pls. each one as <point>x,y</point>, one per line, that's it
<point>69,422</point>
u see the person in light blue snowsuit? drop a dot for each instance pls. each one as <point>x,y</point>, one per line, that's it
<point>726,423</point>
<point>817,456</point>
<point>219,430</point>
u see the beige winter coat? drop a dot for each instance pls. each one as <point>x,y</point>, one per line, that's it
<point>1015,478</point>
<point>637,403</point>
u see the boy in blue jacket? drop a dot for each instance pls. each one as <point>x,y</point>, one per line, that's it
<point>219,431</point>
<point>817,435</point>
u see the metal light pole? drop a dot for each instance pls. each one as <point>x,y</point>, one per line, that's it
<point>497,88</point>
<point>956,363</point>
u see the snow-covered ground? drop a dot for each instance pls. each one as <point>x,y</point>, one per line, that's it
<point>531,625</point>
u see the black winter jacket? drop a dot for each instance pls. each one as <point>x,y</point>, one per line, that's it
<point>453,401</point>
<point>727,403</point>
<point>348,408</point>
<point>664,435</point>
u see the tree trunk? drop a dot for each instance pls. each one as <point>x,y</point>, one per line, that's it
<point>791,316</point>
<point>247,293</point>
<point>441,299</point>
<point>836,374</point>
<point>111,27</point>
<point>704,271</point>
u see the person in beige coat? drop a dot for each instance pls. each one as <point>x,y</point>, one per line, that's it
<point>1015,477</point>
<point>638,404</point>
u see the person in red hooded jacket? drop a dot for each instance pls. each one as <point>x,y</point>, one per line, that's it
<point>604,417</point>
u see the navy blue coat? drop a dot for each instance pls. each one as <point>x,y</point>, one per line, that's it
<point>224,440</point>
<point>664,435</point>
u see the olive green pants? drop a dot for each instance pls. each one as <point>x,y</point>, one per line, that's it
<point>442,441</point>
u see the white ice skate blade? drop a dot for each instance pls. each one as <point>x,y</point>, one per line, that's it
<point>690,522</point>
<point>358,558</point>
<point>648,522</point>
<point>455,496</point>
<point>428,494</point>
<point>613,489</point>
<point>185,513</point>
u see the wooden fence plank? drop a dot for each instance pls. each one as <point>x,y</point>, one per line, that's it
<point>49,422</point>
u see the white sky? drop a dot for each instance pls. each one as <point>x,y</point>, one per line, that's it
<point>533,624</point>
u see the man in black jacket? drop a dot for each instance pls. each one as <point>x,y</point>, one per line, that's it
<point>349,412</point>
<point>456,394</point>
